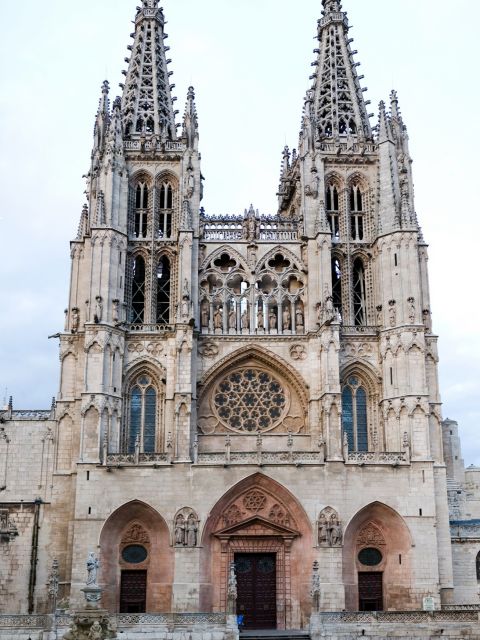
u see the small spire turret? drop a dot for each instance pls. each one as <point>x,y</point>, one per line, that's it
<point>331,6</point>
<point>102,120</point>
<point>190,120</point>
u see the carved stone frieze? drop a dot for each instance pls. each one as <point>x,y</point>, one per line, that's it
<point>370,536</point>
<point>135,534</point>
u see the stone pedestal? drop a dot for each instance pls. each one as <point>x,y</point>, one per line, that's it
<point>91,624</point>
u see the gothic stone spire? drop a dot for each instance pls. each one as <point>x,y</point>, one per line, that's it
<point>338,104</point>
<point>147,103</point>
<point>190,120</point>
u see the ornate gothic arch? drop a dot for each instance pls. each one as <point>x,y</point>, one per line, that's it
<point>221,250</point>
<point>139,523</point>
<point>297,261</point>
<point>258,515</point>
<point>378,526</point>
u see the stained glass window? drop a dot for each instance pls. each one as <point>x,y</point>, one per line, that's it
<point>354,415</point>
<point>142,416</point>
<point>134,554</point>
<point>250,400</point>
<point>370,557</point>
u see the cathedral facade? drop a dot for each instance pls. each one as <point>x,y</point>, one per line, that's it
<point>253,393</point>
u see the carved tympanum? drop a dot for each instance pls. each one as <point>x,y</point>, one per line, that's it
<point>135,533</point>
<point>370,536</point>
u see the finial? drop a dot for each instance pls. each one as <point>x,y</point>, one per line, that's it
<point>191,93</point>
<point>106,87</point>
<point>332,6</point>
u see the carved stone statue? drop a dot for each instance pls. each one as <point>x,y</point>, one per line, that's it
<point>392,313</point>
<point>260,319</point>
<point>232,319</point>
<point>205,315</point>
<point>379,315</point>
<point>411,310</point>
<point>427,320</point>
<point>345,447</point>
<point>96,632</point>
<point>232,590</point>
<point>245,320</point>
<point>218,318</point>
<point>272,320</point>
<point>75,319</point>
<point>322,530</point>
<point>66,320</point>
<point>191,531</point>
<point>286,318</point>
<point>92,569</point>
<point>299,317</point>
<point>185,308</point>
<point>98,310</point>
<point>72,633</point>
<point>180,531</point>
<point>335,532</point>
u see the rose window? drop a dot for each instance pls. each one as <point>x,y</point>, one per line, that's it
<point>250,400</point>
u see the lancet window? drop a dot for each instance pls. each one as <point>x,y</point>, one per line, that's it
<point>477,564</point>
<point>141,210</point>
<point>163,291</point>
<point>359,295</point>
<point>138,291</point>
<point>354,414</point>
<point>165,210</point>
<point>337,284</point>
<point>333,213</point>
<point>357,222</point>
<point>143,415</point>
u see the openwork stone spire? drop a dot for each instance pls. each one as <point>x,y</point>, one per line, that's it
<point>338,104</point>
<point>190,120</point>
<point>147,104</point>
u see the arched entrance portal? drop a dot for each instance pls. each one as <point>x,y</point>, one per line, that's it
<point>262,528</point>
<point>137,561</point>
<point>377,564</point>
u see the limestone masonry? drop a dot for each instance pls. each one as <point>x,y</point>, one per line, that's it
<point>249,420</point>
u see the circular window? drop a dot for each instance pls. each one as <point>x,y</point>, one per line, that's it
<point>370,557</point>
<point>134,554</point>
<point>250,400</point>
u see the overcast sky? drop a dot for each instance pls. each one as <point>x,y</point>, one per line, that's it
<point>249,61</point>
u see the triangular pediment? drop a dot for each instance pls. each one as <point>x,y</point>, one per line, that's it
<point>257,526</point>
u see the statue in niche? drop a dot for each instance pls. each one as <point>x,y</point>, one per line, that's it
<point>322,530</point>
<point>329,308</point>
<point>335,532</point>
<point>191,531</point>
<point>260,318</point>
<point>75,319</point>
<point>299,317</point>
<point>319,310</point>
<point>232,319</point>
<point>411,310</point>
<point>315,588</point>
<point>180,531</point>
<point>427,319</point>
<point>218,318</point>
<point>98,310</point>
<point>286,318</point>
<point>245,320</point>
<point>115,313</point>
<point>379,315</point>
<point>272,320</point>
<point>392,313</point>
<point>205,315</point>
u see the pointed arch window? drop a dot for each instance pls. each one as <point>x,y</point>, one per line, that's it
<point>163,291</point>
<point>142,415</point>
<point>337,284</point>
<point>141,210</point>
<point>354,414</point>
<point>138,291</point>
<point>356,213</point>
<point>359,297</point>
<point>332,201</point>
<point>477,564</point>
<point>166,206</point>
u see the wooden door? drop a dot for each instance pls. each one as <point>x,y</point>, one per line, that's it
<point>370,591</point>
<point>257,589</point>
<point>133,592</point>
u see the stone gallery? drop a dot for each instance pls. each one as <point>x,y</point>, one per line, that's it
<point>248,426</point>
